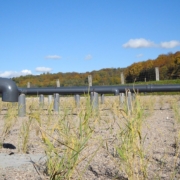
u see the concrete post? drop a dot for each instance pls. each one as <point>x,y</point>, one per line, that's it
<point>102,98</point>
<point>77,100</point>
<point>90,80</point>
<point>122,99</point>
<point>21,105</point>
<point>56,102</point>
<point>50,98</point>
<point>122,78</point>
<point>157,73</point>
<point>95,100</point>
<point>133,96</point>
<point>41,100</point>
<point>129,102</point>
<point>57,83</point>
<point>28,85</point>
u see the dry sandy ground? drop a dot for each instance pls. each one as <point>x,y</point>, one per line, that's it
<point>160,141</point>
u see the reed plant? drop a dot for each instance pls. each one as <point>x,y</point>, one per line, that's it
<point>176,110</point>
<point>34,110</point>
<point>130,149</point>
<point>10,118</point>
<point>25,133</point>
<point>65,140</point>
<point>66,135</point>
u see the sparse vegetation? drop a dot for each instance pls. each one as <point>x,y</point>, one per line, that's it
<point>73,138</point>
<point>10,118</point>
<point>130,148</point>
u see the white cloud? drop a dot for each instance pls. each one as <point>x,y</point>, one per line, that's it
<point>138,43</point>
<point>143,43</point>
<point>43,69</point>
<point>170,44</point>
<point>26,71</point>
<point>53,57</point>
<point>10,74</point>
<point>139,55</point>
<point>88,57</point>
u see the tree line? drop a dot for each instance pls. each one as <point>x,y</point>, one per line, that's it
<point>169,68</point>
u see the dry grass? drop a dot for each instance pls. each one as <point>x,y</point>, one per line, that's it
<point>72,138</point>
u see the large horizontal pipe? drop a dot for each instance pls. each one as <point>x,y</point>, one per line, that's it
<point>101,89</point>
<point>10,91</point>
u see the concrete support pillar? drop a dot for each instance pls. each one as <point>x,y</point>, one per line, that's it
<point>129,102</point>
<point>77,100</point>
<point>133,96</point>
<point>50,98</point>
<point>102,98</point>
<point>41,100</point>
<point>56,102</point>
<point>121,99</point>
<point>22,105</point>
<point>95,100</point>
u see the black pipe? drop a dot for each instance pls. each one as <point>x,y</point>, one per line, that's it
<point>9,90</point>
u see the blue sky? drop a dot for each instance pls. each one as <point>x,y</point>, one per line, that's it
<point>38,36</point>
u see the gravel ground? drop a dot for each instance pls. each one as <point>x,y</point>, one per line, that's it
<point>160,132</point>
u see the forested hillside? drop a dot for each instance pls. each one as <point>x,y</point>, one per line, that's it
<point>169,67</point>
